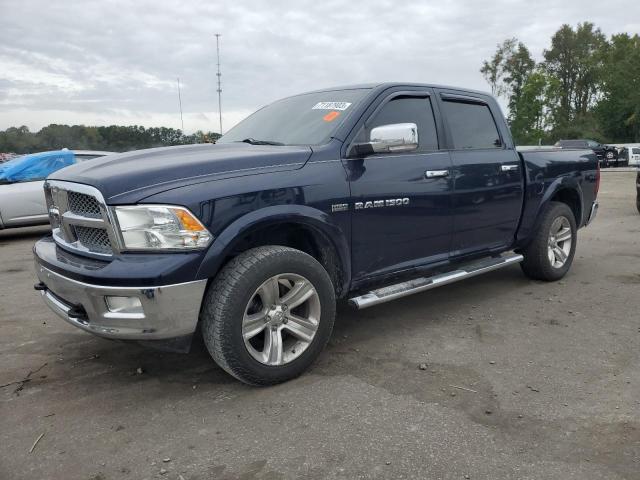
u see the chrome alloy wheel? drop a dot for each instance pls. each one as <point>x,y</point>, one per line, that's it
<point>281,319</point>
<point>560,239</point>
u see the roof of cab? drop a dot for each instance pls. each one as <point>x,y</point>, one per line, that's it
<point>385,85</point>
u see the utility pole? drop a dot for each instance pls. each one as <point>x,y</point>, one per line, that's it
<point>180,103</point>
<point>218,74</point>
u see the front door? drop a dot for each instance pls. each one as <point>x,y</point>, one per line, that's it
<point>401,215</point>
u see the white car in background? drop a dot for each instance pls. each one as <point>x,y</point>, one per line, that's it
<point>22,200</point>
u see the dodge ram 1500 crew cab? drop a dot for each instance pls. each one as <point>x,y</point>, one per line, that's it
<point>366,193</point>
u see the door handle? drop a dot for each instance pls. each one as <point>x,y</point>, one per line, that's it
<point>509,168</point>
<point>436,173</point>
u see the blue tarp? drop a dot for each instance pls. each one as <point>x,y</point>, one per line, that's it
<point>36,166</point>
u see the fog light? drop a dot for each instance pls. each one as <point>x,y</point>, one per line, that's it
<point>124,304</point>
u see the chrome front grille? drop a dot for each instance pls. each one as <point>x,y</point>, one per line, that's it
<point>83,204</point>
<point>94,239</point>
<point>80,219</point>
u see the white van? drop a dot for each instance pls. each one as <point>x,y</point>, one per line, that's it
<point>634,156</point>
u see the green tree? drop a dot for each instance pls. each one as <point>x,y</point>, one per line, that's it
<point>508,69</point>
<point>529,122</point>
<point>575,61</point>
<point>79,137</point>
<point>618,111</point>
<point>494,70</point>
<point>508,73</point>
<point>17,140</point>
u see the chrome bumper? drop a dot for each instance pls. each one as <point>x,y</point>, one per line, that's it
<point>592,213</point>
<point>166,312</point>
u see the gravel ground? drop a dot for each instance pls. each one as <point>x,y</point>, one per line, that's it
<point>522,380</point>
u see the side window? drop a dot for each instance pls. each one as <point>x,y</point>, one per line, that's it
<point>406,110</point>
<point>471,125</point>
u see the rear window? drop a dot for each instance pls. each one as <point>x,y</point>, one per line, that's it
<point>635,151</point>
<point>471,125</point>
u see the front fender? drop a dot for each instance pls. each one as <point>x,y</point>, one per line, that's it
<point>311,217</point>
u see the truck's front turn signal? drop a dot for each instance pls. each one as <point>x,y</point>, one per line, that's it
<point>189,222</point>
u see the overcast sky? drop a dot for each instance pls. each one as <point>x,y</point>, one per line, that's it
<point>116,62</point>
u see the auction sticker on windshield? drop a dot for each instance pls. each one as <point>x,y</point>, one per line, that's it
<point>331,106</point>
<point>331,116</point>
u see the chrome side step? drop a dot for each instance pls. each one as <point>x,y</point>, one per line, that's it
<point>386,294</point>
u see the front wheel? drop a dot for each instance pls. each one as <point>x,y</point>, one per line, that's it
<point>549,255</point>
<point>268,314</point>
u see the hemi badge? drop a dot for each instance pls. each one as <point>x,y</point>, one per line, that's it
<point>340,207</point>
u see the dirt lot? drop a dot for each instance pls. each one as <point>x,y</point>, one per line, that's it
<point>524,380</point>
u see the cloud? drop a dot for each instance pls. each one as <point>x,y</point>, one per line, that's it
<point>118,61</point>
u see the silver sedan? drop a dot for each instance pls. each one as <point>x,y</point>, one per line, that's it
<point>22,200</point>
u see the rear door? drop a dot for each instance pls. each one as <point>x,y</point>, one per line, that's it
<point>487,178</point>
<point>401,216</point>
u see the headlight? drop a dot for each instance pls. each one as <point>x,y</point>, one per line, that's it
<point>160,227</point>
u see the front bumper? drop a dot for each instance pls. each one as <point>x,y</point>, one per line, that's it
<point>167,312</point>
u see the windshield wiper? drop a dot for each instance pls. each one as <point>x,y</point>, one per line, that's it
<point>253,141</point>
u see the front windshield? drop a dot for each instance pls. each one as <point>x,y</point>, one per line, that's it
<point>308,119</point>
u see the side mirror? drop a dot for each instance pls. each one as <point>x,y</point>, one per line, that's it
<point>397,137</point>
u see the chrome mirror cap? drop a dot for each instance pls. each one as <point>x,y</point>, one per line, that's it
<point>397,137</point>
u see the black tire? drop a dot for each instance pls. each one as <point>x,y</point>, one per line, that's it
<point>537,264</point>
<point>228,296</point>
<point>638,203</point>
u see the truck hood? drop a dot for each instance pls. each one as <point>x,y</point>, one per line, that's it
<point>129,177</point>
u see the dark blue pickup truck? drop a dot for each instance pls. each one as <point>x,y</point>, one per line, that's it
<point>366,193</point>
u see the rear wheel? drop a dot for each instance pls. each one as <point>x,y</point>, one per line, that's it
<point>550,254</point>
<point>268,314</point>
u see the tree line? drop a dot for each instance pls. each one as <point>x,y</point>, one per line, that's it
<point>113,138</point>
<point>586,86</point>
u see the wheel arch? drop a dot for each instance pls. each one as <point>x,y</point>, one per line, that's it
<point>572,197</point>
<point>297,226</point>
<point>565,189</point>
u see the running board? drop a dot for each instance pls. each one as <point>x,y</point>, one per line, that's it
<point>386,294</point>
